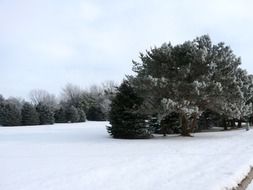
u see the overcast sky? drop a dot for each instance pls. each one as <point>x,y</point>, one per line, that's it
<point>45,44</point>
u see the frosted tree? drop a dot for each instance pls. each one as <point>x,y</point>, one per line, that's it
<point>73,95</point>
<point>82,115</point>
<point>72,114</point>
<point>46,114</point>
<point>188,79</point>
<point>18,102</point>
<point>1,107</point>
<point>244,104</point>
<point>173,79</point>
<point>231,86</point>
<point>10,114</point>
<point>10,111</point>
<point>125,120</point>
<point>1,98</point>
<point>102,96</point>
<point>42,96</point>
<point>60,115</point>
<point>95,114</point>
<point>29,115</point>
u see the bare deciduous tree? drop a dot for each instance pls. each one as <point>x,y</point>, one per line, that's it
<point>42,96</point>
<point>71,92</point>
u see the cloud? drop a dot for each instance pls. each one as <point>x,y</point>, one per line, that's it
<point>54,51</point>
<point>89,11</point>
<point>50,43</point>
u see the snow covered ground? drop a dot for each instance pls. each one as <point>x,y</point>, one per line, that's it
<point>83,157</point>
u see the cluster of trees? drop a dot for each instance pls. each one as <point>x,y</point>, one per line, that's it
<point>182,86</point>
<point>15,112</point>
<point>75,105</point>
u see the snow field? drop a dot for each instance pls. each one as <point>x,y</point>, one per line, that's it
<point>83,156</point>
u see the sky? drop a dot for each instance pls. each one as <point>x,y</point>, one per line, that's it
<point>45,44</point>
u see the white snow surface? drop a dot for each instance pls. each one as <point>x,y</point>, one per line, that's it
<point>84,157</point>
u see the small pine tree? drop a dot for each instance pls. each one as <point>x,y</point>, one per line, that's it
<point>46,114</point>
<point>10,115</point>
<point>29,115</point>
<point>82,115</point>
<point>72,114</point>
<point>95,114</point>
<point>124,118</point>
<point>60,115</point>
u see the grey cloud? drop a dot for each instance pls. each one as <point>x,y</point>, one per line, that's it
<point>46,44</point>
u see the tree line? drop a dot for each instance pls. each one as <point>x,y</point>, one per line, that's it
<point>74,105</point>
<point>182,88</point>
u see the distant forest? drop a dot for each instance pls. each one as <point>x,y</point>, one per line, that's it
<point>74,105</point>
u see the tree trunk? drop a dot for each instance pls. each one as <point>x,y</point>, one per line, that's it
<point>184,125</point>
<point>224,123</point>
<point>194,123</point>
<point>206,124</point>
<point>163,128</point>
<point>233,123</point>
<point>239,125</point>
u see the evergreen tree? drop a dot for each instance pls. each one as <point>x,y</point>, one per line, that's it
<point>154,124</point>
<point>170,124</point>
<point>72,114</point>
<point>208,119</point>
<point>1,107</point>
<point>9,114</point>
<point>190,78</point>
<point>29,115</point>
<point>82,115</point>
<point>125,120</point>
<point>1,98</point>
<point>95,114</point>
<point>60,115</point>
<point>46,114</point>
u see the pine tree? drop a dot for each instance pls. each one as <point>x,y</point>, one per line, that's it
<point>190,78</point>
<point>1,109</point>
<point>82,115</point>
<point>154,124</point>
<point>170,124</point>
<point>29,115</point>
<point>46,114</point>
<point>125,120</point>
<point>72,114</point>
<point>10,115</point>
<point>1,98</point>
<point>95,114</point>
<point>233,87</point>
<point>60,115</point>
